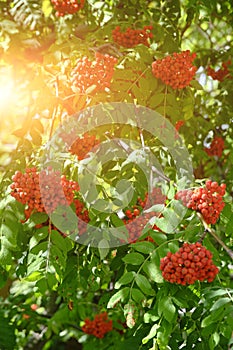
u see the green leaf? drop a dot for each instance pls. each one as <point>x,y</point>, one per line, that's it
<point>156,99</point>
<point>58,240</point>
<point>137,295</point>
<point>196,85</point>
<point>34,276</point>
<point>39,218</point>
<point>103,248</point>
<point>219,303</point>
<point>133,259</point>
<point>153,272</point>
<point>144,247</point>
<point>125,279</point>
<point>151,334</point>
<point>212,293</point>
<point>39,235</point>
<point>121,295</point>
<point>214,340</point>
<point>213,317</point>
<point>167,308</point>
<point>144,284</point>
<point>158,237</point>
<point>130,314</point>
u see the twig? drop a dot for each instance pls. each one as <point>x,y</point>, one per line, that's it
<point>211,231</point>
<point>55,110</point>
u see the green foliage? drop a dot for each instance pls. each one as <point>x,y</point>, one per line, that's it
<point>50,280</point>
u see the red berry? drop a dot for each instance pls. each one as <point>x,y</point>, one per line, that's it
<point>176,70</point>
<point>132,37</point>
<point>63,7</point>
<point>189,271</point>
<point>207,200</point>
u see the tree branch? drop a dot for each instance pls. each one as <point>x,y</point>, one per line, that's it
<point>211,231</point>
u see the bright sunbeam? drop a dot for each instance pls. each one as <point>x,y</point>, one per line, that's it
<point>8,95</point>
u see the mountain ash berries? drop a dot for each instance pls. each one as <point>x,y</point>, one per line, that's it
<point>221,73</point>
<point>97,73</point>
<point>192,262</point>
<point>99,326</point>
<point>216,147</point>
<point>206,200</point>
<point>132,37</point>
<point>175,70</point>
<point>64,7</point>
<point>42,191</point>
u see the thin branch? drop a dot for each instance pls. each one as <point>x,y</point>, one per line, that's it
<point>211,231</point>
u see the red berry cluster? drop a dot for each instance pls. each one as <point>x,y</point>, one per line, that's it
<point>82,145</point>
<point>221,73</point>
<point>42,192</point>
<point>179,124</point>
<point>132,37</point>
<point>56,190</point>
<point>64,7</point>
<point>99,326</point>
<point>96,73</point>
<point>135,227</point>
<point>206,200</point>
<point>175,70</point>
<point>216,147</point>
<point>154,197</point>
<point>192,262</point>
<point>83,215</point>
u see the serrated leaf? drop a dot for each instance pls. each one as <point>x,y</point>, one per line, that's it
<point>125,279</point>
<point>151,334</point>
<point>167,308</point>
<point>144,247</point>
<point>34,276</point>
<point>143,283</point>
<point>158,237</point>
<point>156,99</point>
<point>40,235</point>
<point>130,314</point>
<point>137,295</point>
<point>133,259</point>
<point>103,248</point>
<point>213,317</point>
<point>121,295</point>
<point>219,303</point>
<point>153,272</point>
<point>38,218</point>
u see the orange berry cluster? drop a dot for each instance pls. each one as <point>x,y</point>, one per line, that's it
<point>42,192</point>
<point>191,263</point>
<point>56,190</point>
<point>83,215</point>
<point>132,37</point>
<point>82,145</point>
<point>216,147</point>
<point>175,70</point>
<point>64,7</point>
<point>99,326</point>
<point>154,197</point>
<point>96,73</point>
<point>206,200</point>
<point>221,73</point>
<point>135,227</point>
